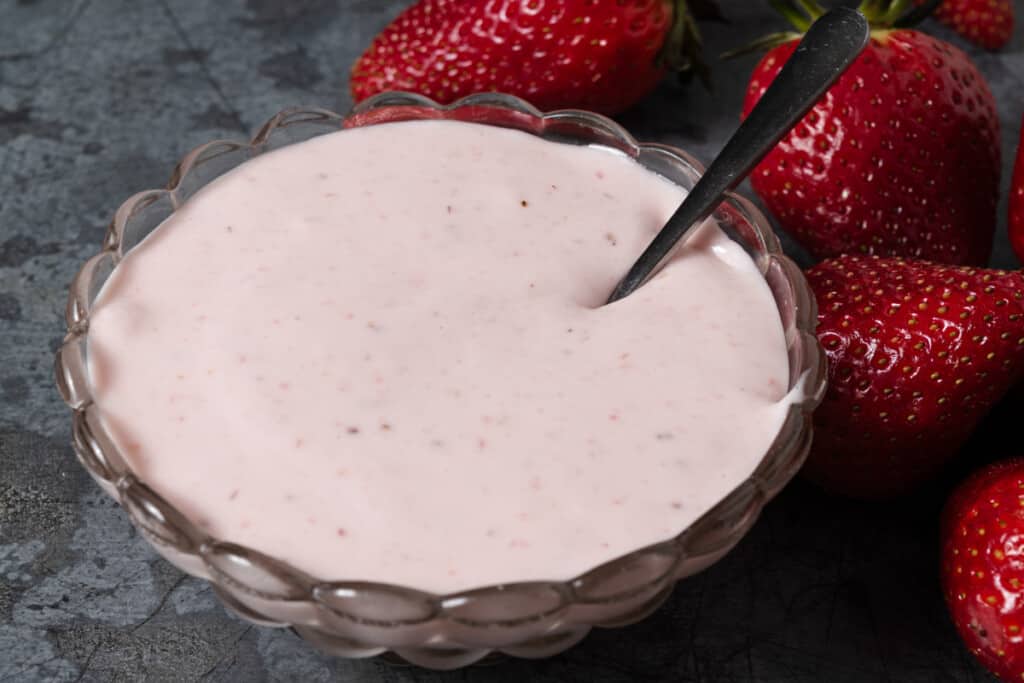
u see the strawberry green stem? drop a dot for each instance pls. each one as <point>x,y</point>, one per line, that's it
<point>896,10</point>
<point>873,9</point>
<point>764,43</point>
<point>793,14</point>
<point>812,8</point>
<point>884,14</point>
<point>682,50</point>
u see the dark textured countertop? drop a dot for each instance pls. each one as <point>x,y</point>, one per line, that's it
<point>98,99</point>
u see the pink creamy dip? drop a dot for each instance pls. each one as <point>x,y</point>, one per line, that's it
<point>380,355</point>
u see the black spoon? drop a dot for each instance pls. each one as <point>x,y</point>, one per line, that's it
<point>826,51</point>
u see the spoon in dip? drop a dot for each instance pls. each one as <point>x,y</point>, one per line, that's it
<point>829,47</point>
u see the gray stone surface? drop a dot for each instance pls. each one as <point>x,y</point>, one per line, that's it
<point>98,98</point>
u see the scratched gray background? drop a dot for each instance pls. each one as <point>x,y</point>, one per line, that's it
<point>97,100</point>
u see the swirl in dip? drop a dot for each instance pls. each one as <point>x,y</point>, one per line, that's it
<point>380,355</point>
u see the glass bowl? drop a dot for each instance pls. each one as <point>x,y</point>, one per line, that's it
<point>364,619</point>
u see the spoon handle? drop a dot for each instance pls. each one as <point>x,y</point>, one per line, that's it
<point>826,51</point>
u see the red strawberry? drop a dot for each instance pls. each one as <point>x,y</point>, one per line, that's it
<point>918,353</point>
<point>1017,202</point>
<point>602,55</point>
<point>983,566</point>
<point>988,23</point>
<point>900,158</point>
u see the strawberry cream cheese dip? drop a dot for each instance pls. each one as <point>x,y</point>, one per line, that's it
<point>381,355</point>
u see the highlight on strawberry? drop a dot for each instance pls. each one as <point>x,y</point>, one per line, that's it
<point>601,55</point>
<point>900,158</point>
<point>918,353</point>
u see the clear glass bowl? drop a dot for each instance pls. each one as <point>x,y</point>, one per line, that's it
<point>364,619</point>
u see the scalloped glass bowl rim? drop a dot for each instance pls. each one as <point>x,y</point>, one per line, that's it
<point>153,515</point>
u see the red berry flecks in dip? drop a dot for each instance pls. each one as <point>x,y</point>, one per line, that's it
<point>918,353</point>
<point>983,566</point>
<point>901,157</point>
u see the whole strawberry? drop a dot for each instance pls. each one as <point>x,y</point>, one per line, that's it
<point>901,156</point>
<point>983,566</point>
<point>918,353</point>
<point>602,55</point>
<point>1017,202</point>
<point>988,23</point>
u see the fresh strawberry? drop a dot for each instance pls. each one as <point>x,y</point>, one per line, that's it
<point>602,55</point>
<point>1017,202</point>
<point>900,158</point>
<point>918,353</point>
<point>988,23</point>
<point>983,566</point>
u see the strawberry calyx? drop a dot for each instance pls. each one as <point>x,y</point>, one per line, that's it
<point>681,52</point>
<point>898,14</point>
<point>800,13</point>
<point>882,15</point>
